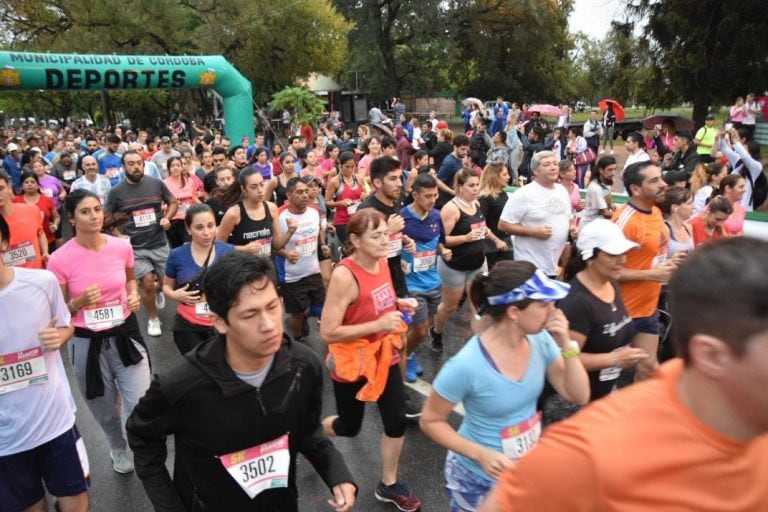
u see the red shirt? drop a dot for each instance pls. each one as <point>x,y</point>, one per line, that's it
<point>46,207</point>
<point>376,297</point>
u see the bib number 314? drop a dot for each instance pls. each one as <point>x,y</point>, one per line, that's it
<point>261,467</point>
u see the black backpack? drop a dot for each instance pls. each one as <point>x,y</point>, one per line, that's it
<point>759,186</point>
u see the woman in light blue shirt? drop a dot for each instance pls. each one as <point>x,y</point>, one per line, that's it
<point>498,377</point>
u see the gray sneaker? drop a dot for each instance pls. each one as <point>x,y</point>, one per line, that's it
<point>121,461</point>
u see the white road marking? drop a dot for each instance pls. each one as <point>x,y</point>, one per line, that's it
<point>424,388</point>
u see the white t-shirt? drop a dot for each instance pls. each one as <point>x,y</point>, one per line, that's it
<point>700,199</point>
<point>595,201</point>
<point>304,241</point>
<point>33,415</point>
<point>640,156</point>
<point>536,206</point>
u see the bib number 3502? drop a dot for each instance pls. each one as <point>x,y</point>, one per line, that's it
<point>261,467</point>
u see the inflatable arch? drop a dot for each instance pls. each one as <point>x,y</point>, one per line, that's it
<point>73,72</point>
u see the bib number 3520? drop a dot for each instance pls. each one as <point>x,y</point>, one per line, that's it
<point>261,467</point>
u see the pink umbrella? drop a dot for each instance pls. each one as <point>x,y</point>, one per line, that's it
<point>546,110</point>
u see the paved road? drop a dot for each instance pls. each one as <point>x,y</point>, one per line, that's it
<point>421,462</point>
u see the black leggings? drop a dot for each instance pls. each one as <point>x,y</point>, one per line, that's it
<point>187,340</point>
<point>391,406</point>
<point>177,233</point>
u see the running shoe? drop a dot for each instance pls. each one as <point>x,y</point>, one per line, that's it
<point>153,327</point>
<point>413,406</point>
<point>160,300</point>
<point>121,461</point>
<point>437,340</point>
<point>399,495</point>
<point>412,369</point>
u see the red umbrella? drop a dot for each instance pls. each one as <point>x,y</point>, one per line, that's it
<point>618,109</point>
<point>546,110</point>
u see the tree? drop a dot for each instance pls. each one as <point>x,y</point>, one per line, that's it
<point>306,108</point>
<point>514,48</point>
<point>271,42</point>
<point>702,50</point>
<point>398,46</point>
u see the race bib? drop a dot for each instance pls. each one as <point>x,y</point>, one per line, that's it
<point>19,254</point>
<point>260,468</point>
<point>144,218</point>
<point>202,309</point>
<point>306,246</point>
<point>424,260</point>
<point>265,247</point>
<point>479,226</point>
<point>611,373</point>
<point>47,192</point>
<point>182,209</point>
<point>353,207</point>
<point>113,172</point>
<point>519,439</point>
<point>19,370</point>
<point>323,222</point>
<point>395,246</point>
<point>69,175</point>
<point>103,317</point>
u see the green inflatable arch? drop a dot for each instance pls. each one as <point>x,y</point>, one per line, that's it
<point>75,72</point>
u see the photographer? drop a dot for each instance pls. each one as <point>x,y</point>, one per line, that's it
<point>185,269</point>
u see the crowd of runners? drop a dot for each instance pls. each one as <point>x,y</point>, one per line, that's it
<point>380,240</point>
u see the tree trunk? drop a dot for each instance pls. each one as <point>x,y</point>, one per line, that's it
<point>386,45</point>
<point>106,115</point>
<point>701,106</point>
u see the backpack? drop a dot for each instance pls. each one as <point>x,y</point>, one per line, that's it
<point>759,187</point>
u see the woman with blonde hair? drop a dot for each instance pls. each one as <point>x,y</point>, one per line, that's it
<point>492,198</point>
<point>705,180</point>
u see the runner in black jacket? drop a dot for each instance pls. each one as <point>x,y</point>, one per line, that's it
<point>217,417</point>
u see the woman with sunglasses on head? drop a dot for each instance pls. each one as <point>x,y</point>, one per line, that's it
<point>184,271</point>
<point>498,375</point>
<point>96,274</point>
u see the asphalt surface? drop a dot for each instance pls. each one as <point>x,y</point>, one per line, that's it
<point>421,464</point>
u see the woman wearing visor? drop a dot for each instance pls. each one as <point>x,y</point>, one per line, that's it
<point>499,375</point>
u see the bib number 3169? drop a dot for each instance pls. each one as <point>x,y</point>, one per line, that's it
<point>261,467</point>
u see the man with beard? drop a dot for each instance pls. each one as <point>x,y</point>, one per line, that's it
<point>646,267</point>
<point>599,203</point>
<point>141,198</point>
<point>91,144</point>
<point>109,159</point>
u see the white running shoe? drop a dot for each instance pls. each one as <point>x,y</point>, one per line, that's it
<point>121,461</point>
<point>153,327</point>
<point>160,300</point>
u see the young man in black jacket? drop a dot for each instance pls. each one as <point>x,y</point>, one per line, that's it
<point>240,407</point>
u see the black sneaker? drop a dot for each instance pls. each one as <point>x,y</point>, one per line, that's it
<point>399,495</point>
<point>413,407</point>
<point>437,340</point>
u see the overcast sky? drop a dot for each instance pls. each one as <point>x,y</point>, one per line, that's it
<point>594,16</point>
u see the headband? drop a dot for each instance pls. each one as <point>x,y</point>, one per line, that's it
<point>538,287</point>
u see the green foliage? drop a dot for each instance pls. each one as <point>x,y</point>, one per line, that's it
<point>301,102</point>
<point>704,51</point>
